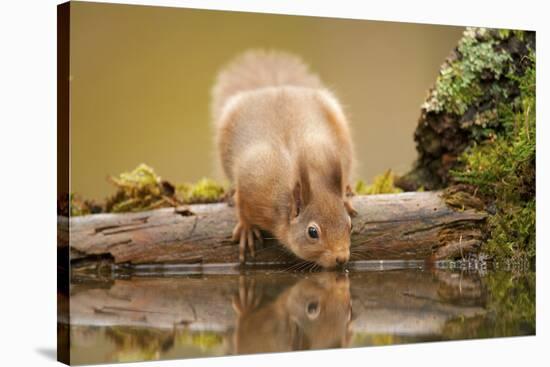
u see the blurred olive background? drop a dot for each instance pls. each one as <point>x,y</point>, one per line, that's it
<point>141,79</point>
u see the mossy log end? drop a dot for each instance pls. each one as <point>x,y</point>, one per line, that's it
<point>416,225</point>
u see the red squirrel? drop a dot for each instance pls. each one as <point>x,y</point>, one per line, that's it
<point>284,143</point>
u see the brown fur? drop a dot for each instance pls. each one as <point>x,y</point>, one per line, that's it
<point>285,144</point>
<point>314,313</point>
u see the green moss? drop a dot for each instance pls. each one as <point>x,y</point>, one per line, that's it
<point>477,127</point>
<point>465,106</point>
<point>142,189</point>
<point>459,198</point>
<point>459,84</point>
<point>503,171</point>
<point>142,176</point>
<point>383,184</point>
<point>139,190</point>
<point>79,206</point>
<point>204,191</point>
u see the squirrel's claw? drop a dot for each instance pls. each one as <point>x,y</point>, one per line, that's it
<point>246,235</point>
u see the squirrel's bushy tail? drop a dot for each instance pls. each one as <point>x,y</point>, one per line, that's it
<point>258,69</point>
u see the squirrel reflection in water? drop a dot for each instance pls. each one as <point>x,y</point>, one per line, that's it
<point>314,313</point>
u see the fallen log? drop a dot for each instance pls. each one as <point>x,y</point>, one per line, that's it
<point>417,225</point>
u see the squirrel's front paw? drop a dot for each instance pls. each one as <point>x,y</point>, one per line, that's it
<point>245,234</point>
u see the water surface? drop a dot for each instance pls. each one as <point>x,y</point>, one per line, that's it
<point>181,314</point>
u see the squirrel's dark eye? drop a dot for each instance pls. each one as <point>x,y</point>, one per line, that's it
<point>312,308</point>
<point>312,232</point>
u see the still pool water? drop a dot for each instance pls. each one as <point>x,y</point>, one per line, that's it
<point>182,313</point>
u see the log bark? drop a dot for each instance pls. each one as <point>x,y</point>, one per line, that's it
<point>418,225</point>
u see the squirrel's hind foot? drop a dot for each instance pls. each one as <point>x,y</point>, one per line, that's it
<point>246,234</point>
